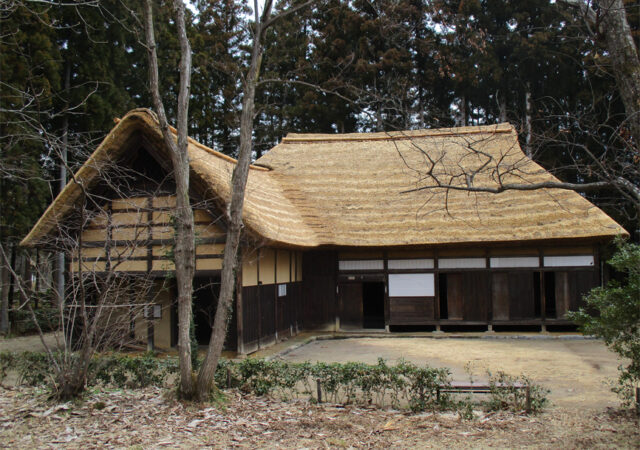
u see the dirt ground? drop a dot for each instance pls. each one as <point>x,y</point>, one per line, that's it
<point>27,343</point>
<point>575,370</point>
<point>151,418</point>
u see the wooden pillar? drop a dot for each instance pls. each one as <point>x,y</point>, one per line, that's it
<point>148,308</point>
<point>150,331</point>
<point>436,287</point>
<point>337,304</point>
<point>239,319</point>
<point>387,305</point>
<point>258,298</point>
<point>489,316</point>
<point>338,308</point>
<point>543,294</point>
<point>275,299</point>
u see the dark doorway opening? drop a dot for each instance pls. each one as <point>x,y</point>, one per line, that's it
<point>442,290</point>
<point>373,305</point>
<point>550,295</point>
<point>205,300</point>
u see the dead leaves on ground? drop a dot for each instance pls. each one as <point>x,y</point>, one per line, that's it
<point>153,418</point>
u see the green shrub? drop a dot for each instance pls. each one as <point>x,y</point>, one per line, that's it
<point>132,371</point>
<point>423,386</point>
<point>509,393</point>
<point>33,368</point>
<point>612,313</point>
<point>47,317</point>
<point>407,385</point>
<point>7,360</point>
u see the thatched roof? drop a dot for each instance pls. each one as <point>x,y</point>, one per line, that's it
<point>351,189</point>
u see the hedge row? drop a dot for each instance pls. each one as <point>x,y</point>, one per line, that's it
<point>403,385</point>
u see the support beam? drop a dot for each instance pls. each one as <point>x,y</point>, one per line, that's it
<point>150,334</point>
<point>239,319</point>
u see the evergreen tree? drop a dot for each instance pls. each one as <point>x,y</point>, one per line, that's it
<point>217,39</point>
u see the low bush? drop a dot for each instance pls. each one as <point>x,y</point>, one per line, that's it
<point>47,317</point>
<point>32,368</point>
<point>403,385</point>
<point>132,371</point>
<point>510,393</point>
<point>117,370</point>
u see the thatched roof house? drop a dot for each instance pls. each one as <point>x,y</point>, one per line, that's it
<point>359,212</point>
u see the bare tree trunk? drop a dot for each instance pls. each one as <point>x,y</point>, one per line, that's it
<point>611,21</point>
<point>624,58</point>
<point>239,182</point>
<point>527,105</point>
<point>464,112</point>
<point>184,249</point>
<point>63,177</point>
<point>13,280</point>
<point>4,293</point>
<point>502,107</point>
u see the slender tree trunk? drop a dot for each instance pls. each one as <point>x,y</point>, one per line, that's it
<point>239,182</point>
<point>4,295</point>
<point>527,104</point>
<point>63,176</point>
<point>502,106</point>
<point>184,250</point>
<point>464,115</point>
<point>13,280</point>
<point>624,59</point>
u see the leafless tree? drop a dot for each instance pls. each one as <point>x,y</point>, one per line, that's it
<point>103,298</point>
<point>184,230</point>
<point>184,249</point>
<point>239,181</point>
<point>613,166</point>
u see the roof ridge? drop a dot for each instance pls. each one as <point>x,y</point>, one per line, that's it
<point>504,127</point>
<point>191,140</point>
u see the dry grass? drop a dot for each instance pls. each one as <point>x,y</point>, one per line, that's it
<point>576,371</point>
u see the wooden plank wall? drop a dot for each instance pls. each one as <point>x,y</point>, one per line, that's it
<point>411,310</point>
<point>499,287</point>
<point>136,235</point>
<point>268,316</point>
<point>319,274</point>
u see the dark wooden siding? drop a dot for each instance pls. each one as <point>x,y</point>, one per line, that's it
<point>521,298</point>
<point>468,295</point>
<point>500,296</point>
<point>350,295</point>
<point>455,296</point>
<point>259,314</point>
<point>513,295</point>
<point>570,286</point>
<point>267,312</point>
<point>477,295</point>
<point>318,288</point>
<point>250,317</point>
<point>287,310</point>
<point>411,310</point>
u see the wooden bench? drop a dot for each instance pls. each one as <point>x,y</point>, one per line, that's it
<point>457,387</point>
